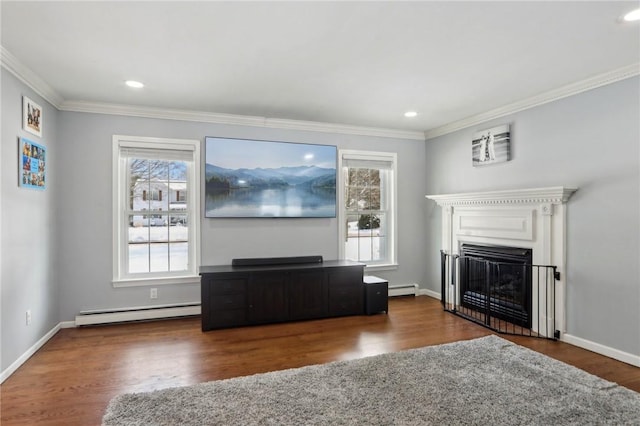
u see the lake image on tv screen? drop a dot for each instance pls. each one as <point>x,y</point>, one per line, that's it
<point>247,178</point>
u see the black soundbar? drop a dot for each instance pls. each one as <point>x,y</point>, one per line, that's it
<point>265,261</point>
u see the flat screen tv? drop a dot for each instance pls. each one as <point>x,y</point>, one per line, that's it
<point>254,178</point>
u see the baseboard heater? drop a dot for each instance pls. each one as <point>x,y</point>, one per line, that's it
<point>182,310</point>
<point>137,313</point>
<point>403,290</point>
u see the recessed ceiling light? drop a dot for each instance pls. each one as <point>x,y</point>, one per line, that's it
<point>634,15</point>
<point>410,114</point>
<point>134,84</point>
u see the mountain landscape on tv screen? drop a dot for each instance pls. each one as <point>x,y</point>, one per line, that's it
<point>219,178</point>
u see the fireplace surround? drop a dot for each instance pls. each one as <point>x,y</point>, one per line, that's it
<point>533,219</point>
<point>498,278</point>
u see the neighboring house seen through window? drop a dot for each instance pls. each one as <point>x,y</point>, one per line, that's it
<point>156,235</point>
<point>368,207</point>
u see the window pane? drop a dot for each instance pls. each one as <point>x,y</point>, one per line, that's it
<point>363,199</point>
<point>382,225</point>
<point>178,232</point>
<point>351,198</point>
<point>159,257</point>
<point>352,225</point>
<point>379,248</point>
<point>351,177</point>
<point>158,170</point>
<point>177,219</point>
<point>374,198</point>
<point>360,248</point>
<point>159,229</point>
<point>138,231</point>
<point>178,170</point>
<point>179,256</point>
<point>351,243</point>
<point>362,177</point>
<point>378,237</point>
<point>138,258</point>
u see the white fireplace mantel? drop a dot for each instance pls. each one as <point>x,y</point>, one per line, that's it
<point>533,218</point>
<point>553,195</point>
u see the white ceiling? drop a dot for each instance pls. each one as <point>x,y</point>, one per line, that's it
<point>354,63</point>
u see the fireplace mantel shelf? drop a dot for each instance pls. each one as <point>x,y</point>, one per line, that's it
<point>553,195</point>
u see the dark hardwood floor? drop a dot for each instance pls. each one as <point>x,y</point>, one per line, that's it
<point>71,379</point>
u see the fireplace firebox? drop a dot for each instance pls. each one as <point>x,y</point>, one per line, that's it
<point>496,280</point>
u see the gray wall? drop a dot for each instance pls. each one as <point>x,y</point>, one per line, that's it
<point>29,233</point>
<point>84,173</point>
<point>56,244</point>
<point>592,141</point>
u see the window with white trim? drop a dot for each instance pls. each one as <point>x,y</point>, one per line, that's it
<point>156,210</point>
<point>368,207</point>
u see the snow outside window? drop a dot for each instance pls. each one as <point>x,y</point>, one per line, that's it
<point>156,210</point>
<point>368,208</point>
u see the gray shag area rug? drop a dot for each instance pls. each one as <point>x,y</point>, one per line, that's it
<point>485,381</point>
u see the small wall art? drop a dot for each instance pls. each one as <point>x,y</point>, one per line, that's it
<point>31,117</point>
<point>32,164</point>
<point>491,146</point>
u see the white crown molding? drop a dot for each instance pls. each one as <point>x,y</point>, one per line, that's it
<point>160,113</point>
<point>28,77</point>
<point>344,129</point>
<point>534,101</point>
<point>242,120</point>
<point>553,195</point>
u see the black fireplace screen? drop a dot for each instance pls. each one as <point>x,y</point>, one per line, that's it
<point>500,288</point>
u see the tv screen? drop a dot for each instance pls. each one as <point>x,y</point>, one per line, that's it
<point>253,178</point>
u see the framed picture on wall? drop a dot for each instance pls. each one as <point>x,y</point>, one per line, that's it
<point>491,146</point>
<point>32,164</point>
<point>31,116</point>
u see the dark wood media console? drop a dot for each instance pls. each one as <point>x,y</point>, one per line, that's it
<point>262,292</point>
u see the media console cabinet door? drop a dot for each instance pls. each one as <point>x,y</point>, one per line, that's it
<point>223,301</point>
<point>346,292</point>
<point>307,294</point>
<point>267,297</point>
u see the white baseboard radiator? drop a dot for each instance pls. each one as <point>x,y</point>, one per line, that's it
<point>137,314</point>
<point>403,290</point>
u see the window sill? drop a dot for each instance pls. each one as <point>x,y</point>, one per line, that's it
<point>140,282</point>
<point>385,267</point>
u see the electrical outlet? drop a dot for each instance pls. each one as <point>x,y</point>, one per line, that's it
<point>154,293</point>
<point>28,317</point>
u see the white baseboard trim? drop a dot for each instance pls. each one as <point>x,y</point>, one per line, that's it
<point>103,318</point>
<point>403,290</point>
<point>576,341</point>
<point>602,349</point>
<point>68,324</point>
<point>137,314</point>
<point>25,356</point>
<point>430,293</point>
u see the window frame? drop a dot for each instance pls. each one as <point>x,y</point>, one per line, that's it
<point>391,262</point>
<point>120,208</point>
